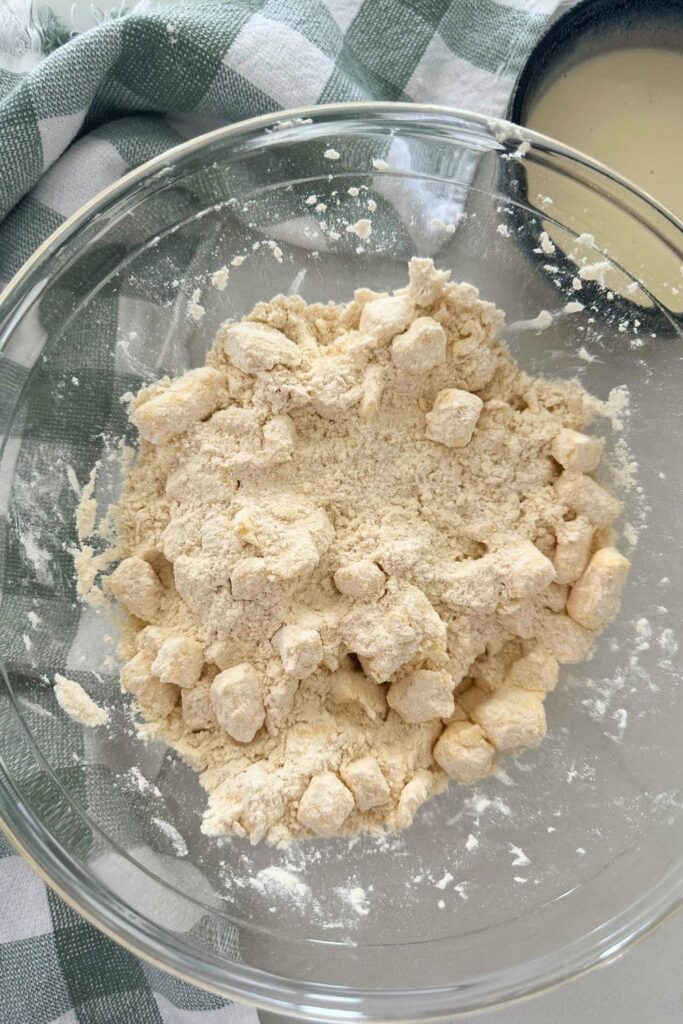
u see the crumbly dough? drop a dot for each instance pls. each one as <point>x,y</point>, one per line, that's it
<point>357,544</point>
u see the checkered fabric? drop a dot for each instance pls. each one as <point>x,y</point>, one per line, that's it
<point>77,112</point>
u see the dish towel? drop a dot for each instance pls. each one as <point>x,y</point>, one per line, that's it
<point>78,110</point>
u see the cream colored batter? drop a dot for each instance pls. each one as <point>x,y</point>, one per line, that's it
<point>624,108</point>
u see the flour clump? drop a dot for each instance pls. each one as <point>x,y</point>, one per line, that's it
<point>356,546</point>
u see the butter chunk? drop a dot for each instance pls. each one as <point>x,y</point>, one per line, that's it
<point>325,805</point>
<point>464,753</point>
<point>366,781</point>
<point>136,585</point>
<point>512,719</point>
<point>563,637</point>
<point>300,649</point>
<point>149,638</point>
<point>237,698</point>
<point>189,399</point>
<point>180,660</point>
<point>574,450</point>
<point>594,600</point>
<point>362,579</point>
<point>154,697</point>
<point>413,795</point>
<point>453,417</point>
<point>574,540</point>
<point>523,570</point>
<point>421,696</point>
<point>473,584</point>
<point>386,317</point>
<point>253,347</point>
<point>74,700</point>
<point>421,347</point>
<point>538,670</point>
<point>586,497</point>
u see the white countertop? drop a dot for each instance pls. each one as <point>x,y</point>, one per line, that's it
<point>643,986</point>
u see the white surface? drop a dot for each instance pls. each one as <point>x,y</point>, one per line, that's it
<point>644,986</point>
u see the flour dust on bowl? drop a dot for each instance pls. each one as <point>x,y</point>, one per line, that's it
<point>545,868</point>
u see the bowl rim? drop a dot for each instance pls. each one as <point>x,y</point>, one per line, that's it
<point>500,126</point>
<point>253,986</point>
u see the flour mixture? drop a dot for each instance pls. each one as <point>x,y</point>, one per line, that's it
<point>356,545</point>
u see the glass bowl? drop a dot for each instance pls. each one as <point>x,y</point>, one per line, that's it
<point>553,864</point>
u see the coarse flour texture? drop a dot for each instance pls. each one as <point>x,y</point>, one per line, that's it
<point>356,545</point>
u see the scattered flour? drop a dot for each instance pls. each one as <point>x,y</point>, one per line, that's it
<point>219,278</point>
<point>278,881</point>
<point>356,898</point>
<point>142,784</point>
<point>73,480</point>
<point>442,226</point>
<point>539,323</point>
<point>86,513</point>
<point>172,833</point>
<point>481,804</point>
<point>616,408</point>
<point>546,245</point>
<point>362,228</point>
<point>194,308</point>
<point>595,271</point>
<point>73,699</point>
<point>520,858</point>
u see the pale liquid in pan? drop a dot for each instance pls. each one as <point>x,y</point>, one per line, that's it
<point>625,109</point>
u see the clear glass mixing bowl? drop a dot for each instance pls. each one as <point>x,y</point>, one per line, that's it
<point>549,867</point>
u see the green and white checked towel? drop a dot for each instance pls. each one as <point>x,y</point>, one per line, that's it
<point>77,112</point>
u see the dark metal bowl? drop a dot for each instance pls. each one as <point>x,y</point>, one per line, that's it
<point>589,28</point>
